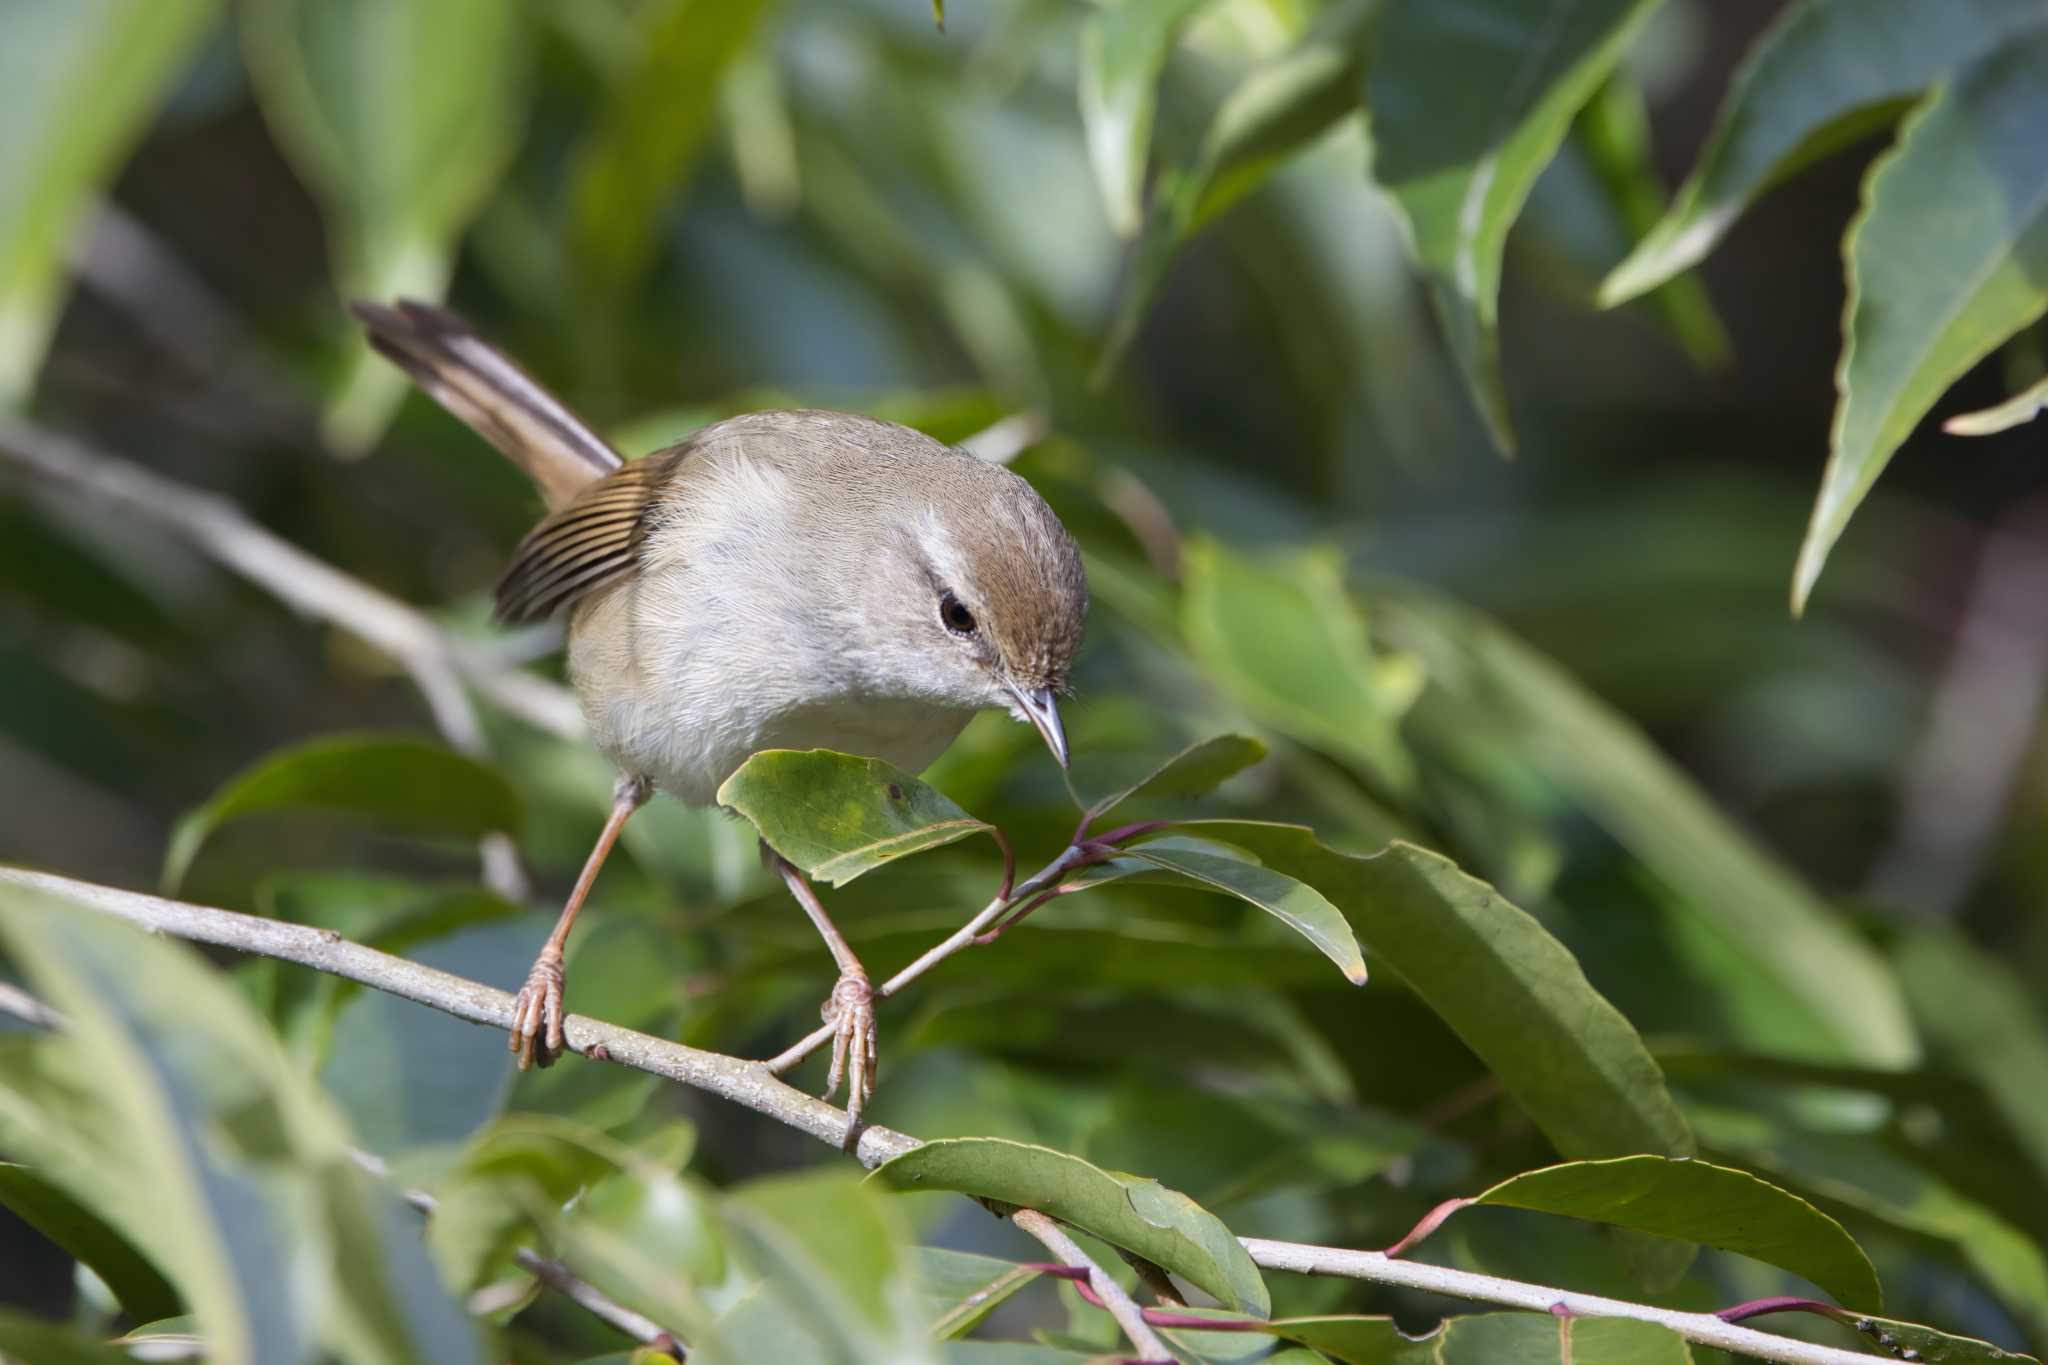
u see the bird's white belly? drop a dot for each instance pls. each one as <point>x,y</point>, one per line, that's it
<point>687,720</point>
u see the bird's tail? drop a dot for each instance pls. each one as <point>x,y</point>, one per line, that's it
<point>480,384</point>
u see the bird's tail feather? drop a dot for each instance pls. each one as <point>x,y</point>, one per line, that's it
<point>481,385</point>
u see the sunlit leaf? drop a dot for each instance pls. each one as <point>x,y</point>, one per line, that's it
<point>1695,1201</point>
<point>85,1236</point>
<point>837,816</point>
<point>1512,992</point>
<point>1285,641</point>
<point>1948,258</point>
<point>1826,73</point>
<point>2017,410</point>
<point>398,784</point>
<point>1300,907</point>
<point>1162,1225</point>
<point>1123,50</point>
<point>79,83</point>
<point>401,117</point>
<point>1469,99</point>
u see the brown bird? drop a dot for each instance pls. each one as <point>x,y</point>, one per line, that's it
<point>782,580</point>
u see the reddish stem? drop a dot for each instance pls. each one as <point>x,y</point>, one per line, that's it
<point>1431,1221</point>
<point>1756,1308</point>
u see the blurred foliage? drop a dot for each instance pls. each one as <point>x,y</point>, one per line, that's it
<point>1664,874</point>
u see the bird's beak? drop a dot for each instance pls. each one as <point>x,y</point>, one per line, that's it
<point>1042,710</point>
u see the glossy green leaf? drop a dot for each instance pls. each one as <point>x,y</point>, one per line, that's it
<point>1496,693</point>
<point>837,816</point>
<point>1162,1225</point>
<point>1826,73</point>
<point>1194,771</point>
<point>1300,907</point>
<point>1490,1339</point>
<point>1285,641</point>
<point>961,1288</point>
<point>401,117</point>
<point>1861,1174</point>
<point>1123,50</point>
<point>1281,106</point>
<point>1695,1201</point>
<point>1512,992</point>
<point>1985,1022</point>
<point>399,784</point>
<point>1896,1338</point>
<point>1948,258</point>
<point>836,1253</point>
<point>2021,408</point>
<point>87,1238</point>
<point>649,136</point>
<point>1469,99</point>
<point>80,81</point>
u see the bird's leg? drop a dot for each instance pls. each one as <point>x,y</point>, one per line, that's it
<point>850,1009</point>
<point>537,1014</point>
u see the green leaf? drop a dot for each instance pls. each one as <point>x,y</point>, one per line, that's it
<point>1501,698</point>
<point>1695,1201</point>
<point>1512,992</point>
<point>79,82</point>
<point>1861,1174</point>
<point>1613,131</point>
<point>1280,107</point>
<point>650,134</point>
<point>142,1290</point>
<point>1469,99</point>
<point>1932,1347</point>
<point>2016,410</point>
<point>1827,73</point>
<point>1301,908</point>
<point>837,1254</point>
<point>205,1148</point>
<point>399,784</point>
<point>1194,771</point>
<point>1162,1225</point>
<point>837,816</point>
<point>1490,1339</point>
<point>1947,258</point>
<point>47,1343</point>
<point>1285,640</point>
<point>401,117</point>
<point>1984,1022</point>
<point>1123,50</point>
<point>962,1288</point>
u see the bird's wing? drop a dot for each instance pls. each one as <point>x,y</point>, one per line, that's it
<point>580,548</point>
<point>481,385</point>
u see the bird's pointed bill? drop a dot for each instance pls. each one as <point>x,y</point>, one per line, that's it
<point>1041,708</point>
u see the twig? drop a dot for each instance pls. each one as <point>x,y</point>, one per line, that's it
<point>750,1084</point>
<point>1121,1305</point>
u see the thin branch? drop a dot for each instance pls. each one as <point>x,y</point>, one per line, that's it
<point>1121,1305</point>
<point>750,1084</point>
<point>218,528</point>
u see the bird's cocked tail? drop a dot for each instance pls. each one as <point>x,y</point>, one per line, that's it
<point>481,385</point>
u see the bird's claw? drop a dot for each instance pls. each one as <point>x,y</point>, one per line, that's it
<point>851,1010</point>
<point>537,1014</point>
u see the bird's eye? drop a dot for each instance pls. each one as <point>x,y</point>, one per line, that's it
<point>954,615</point>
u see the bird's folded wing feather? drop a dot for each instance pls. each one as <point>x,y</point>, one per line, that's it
<point>592,542</point>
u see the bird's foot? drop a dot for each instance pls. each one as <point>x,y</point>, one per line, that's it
<point>851,1010</point>
<point>537,1014</point>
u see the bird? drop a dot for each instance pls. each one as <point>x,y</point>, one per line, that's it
<point>790,579</point>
